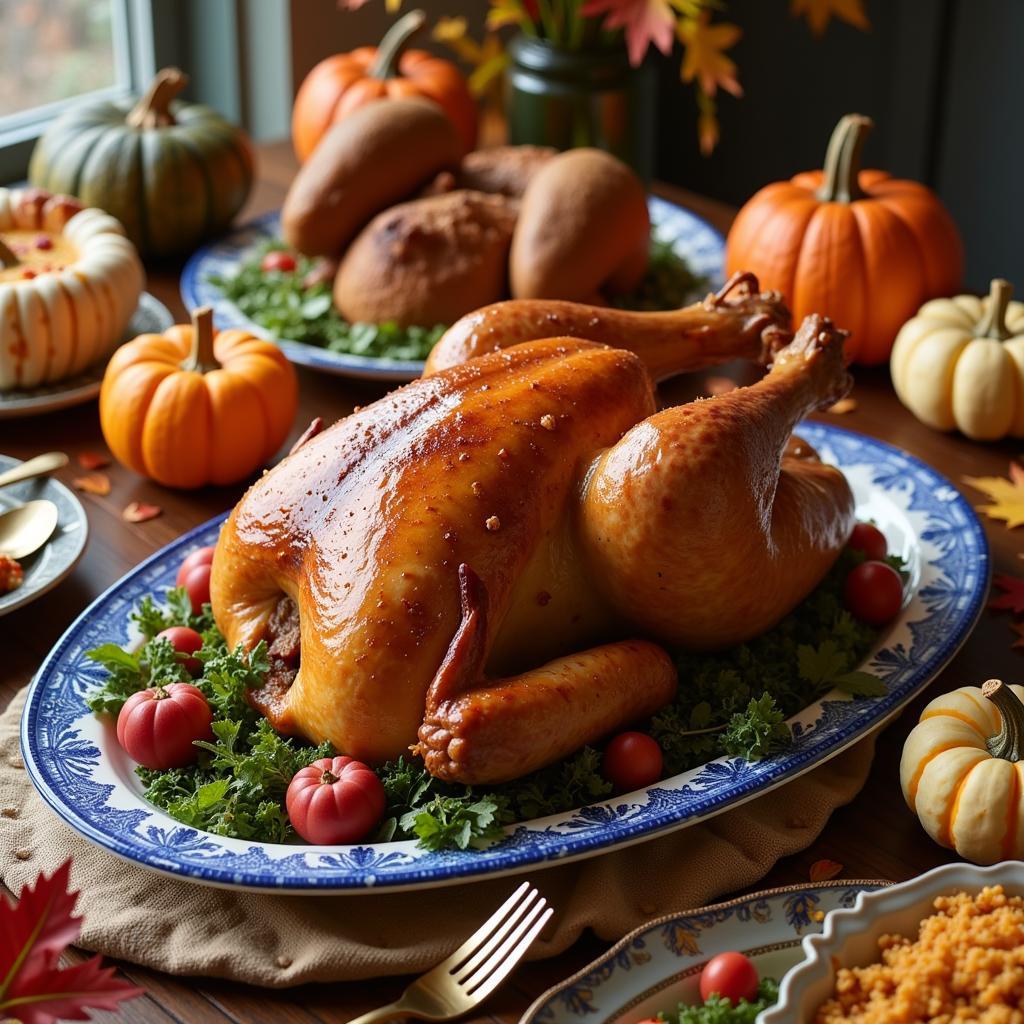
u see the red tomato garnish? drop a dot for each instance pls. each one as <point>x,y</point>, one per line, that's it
<point>44,242</point>
<point>157,727</point>
<point>731,976</point>
<point>335,800</point>
<point>631,761</point>
<point>185,641</point>
<point>873,593</point>
<point>277,260</point>
<point>870,540</point>
<point>28,274</point>
<point>201,556</point>
<point>197,582</point>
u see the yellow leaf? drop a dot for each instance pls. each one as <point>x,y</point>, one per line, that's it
<point>486,73</point>
<point>704,60</point>
<point>1007,497</point>
<point>506,12</point>
<point>452,32</point>
<point>393,6</point>
<point>820,12</point>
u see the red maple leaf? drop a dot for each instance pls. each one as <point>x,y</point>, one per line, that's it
<point>33,933</point>
<point>1012,598</point>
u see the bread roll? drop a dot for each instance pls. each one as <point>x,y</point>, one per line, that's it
<point>428,261</point>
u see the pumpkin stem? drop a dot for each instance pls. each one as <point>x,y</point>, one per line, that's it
<point>1008,743</point>
<point>7,257</point>
<point>842,161</point>
<point>201,359</point>
<point>393,45</point>
<point>154,109</point>
<point>328,778</point>
<point>993,324</point>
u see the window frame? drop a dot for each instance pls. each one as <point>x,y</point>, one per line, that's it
<point>135,65</point>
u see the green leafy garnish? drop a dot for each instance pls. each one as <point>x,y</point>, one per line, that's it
<point>717,1010</point>
<point>668,284</point>
<point>733,703</point>
<point>282,304</point>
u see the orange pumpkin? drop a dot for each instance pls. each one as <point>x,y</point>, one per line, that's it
<point>188,408</point>
<point>346,81</point>
<point>861,246</point>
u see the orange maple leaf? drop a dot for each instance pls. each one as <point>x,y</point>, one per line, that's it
<point>823,870</point>
<point>704,60</point>
<point>820,12</point>
<point>1007,498</point>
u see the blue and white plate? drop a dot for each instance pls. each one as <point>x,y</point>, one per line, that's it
<point>76,764</point>
<point>60,554</point>
<point>657,967</point>
<point>691,237</point>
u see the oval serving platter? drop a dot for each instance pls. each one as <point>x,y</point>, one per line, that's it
<point>692,238</point>
<point>656,967</point>
<point>75,762</point>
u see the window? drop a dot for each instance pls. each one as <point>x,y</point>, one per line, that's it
<point>56,52</point>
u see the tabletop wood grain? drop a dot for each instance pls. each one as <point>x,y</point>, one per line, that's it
<point>873,837</point>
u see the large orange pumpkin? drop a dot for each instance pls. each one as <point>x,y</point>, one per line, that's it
<point>861,246</point>
<point>346,81</point>
<point>188,408</point>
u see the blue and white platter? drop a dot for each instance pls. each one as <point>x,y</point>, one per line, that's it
<point>691,237</point>
<point>77,766</point>
<point>655,968</point>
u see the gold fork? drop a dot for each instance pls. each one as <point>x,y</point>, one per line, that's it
<point>456,985</point>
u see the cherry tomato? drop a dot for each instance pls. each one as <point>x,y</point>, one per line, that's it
<point>873,593</point>
<point>870,540</point>
<point>731,976</point>
<point>277,260</point>
<point>201,556</point>
<point>631,761</point>
<point>157,727</point>
<point>185,641</point>
<point>335,800</point>
<point>197,583</point>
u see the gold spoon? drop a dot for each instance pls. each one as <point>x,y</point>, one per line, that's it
<point>27,528</point>
<point>41,465</point>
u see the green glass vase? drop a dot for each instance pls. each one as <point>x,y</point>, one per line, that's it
<point>566,98</point>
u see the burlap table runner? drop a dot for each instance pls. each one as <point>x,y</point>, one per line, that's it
<point>134,914</point>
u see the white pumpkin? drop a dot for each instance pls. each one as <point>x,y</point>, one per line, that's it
<point>960,364</point>
<point>962,772</point>
<point>69,284</point>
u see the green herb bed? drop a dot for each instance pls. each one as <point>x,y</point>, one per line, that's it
<point>729,703</point>
<point>281,303</point>
<point>721,1011</point>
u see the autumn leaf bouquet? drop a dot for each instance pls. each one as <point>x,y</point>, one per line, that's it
<point>638,25</point>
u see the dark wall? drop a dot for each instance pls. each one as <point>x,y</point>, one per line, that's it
<point>942,80</point>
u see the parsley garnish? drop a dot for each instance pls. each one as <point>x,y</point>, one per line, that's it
<point>734,703</point>
<point>717,1010</point>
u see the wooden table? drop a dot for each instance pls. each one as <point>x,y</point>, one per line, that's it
<point>874,837</point>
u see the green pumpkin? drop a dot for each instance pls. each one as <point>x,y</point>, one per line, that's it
<point>171,173</point>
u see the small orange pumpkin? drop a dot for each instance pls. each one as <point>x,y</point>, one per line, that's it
<point>861,246</point>
<point>346,81</point>
<point>188,407</point>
